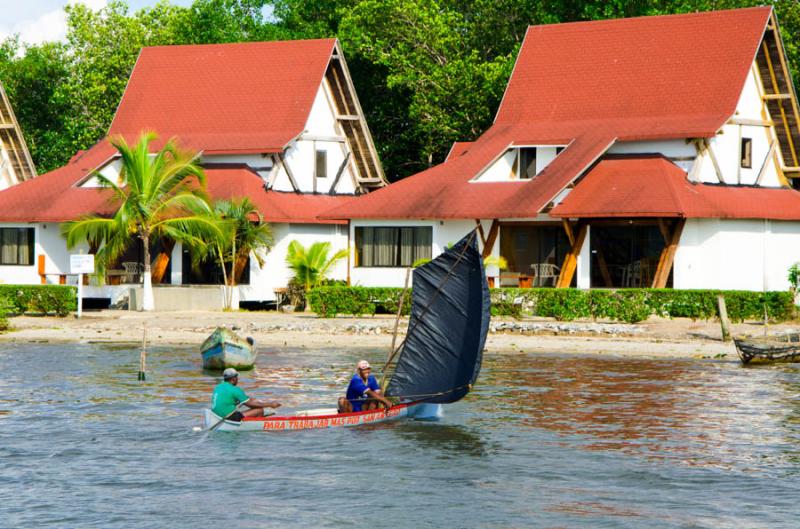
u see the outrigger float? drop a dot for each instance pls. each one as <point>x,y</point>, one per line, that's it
<point>437,362</point>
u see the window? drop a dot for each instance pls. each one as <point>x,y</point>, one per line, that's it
<point>321,164</point>
<point>392,247</point>
<point>16,246</point>
<point>526,163</point>
<point>747,153</point>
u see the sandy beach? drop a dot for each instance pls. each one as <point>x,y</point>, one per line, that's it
<point>655,337</point>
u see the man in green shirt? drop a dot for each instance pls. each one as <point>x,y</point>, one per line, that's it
<point>228,396</point>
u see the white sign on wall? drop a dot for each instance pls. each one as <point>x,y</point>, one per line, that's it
<point>81,264</point>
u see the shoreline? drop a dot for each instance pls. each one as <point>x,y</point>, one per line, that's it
<point>656,337</point>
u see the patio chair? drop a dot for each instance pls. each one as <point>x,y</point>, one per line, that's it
<point>548,272</point>
<point>133,272</point>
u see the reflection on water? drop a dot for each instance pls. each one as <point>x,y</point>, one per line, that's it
<point>681,410</point>
<point>544,441</point>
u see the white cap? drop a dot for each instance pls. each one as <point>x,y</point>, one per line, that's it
<point>363,365</point>
<point>230,373</point>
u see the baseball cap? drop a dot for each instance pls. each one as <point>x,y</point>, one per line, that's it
<point>363,365</point>
<point>230,373</point>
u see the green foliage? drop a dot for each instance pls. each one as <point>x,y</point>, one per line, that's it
<point>628,305</point>
<point>331,301</point>
<point>4,308</point>
<point>39,299</point>
<point>794,277</point>
<point>311,265</point>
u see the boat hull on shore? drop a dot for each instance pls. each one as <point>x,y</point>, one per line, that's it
<point>782,348</point>
<point>224,349</point>
<point>325,418</point>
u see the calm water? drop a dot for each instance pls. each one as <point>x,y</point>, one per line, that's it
<point>545,441</point>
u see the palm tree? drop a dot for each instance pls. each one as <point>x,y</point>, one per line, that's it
<point>311,266</point>
<point>243,232</point>
<point>159,195</point>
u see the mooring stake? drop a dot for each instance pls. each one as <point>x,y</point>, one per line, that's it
<point>143,355</point>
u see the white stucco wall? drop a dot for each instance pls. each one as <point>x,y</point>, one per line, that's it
<point>275,273</point>
<point>500,170</point>
<point>444,233</point>
<point>322,132</point>
<point>736,254</point>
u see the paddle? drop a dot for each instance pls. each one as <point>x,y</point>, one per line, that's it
<point>218,423</point>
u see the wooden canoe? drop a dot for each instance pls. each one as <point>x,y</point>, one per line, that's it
<point>325,418</point>
<point>777,348</point>
<point>224,348</point>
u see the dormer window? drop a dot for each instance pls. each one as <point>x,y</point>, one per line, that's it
<point>525,167</point>
<point>747,153</point>
<point>321,164</point>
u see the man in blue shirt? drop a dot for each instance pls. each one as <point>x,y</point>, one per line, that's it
<point>363,393</point>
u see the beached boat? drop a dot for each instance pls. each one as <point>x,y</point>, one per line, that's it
<point>224,348</point>
<point>776,348</point>
<point>437,362</point>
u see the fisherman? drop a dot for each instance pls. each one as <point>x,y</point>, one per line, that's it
<point>363,393</point>
<point>227,398</point>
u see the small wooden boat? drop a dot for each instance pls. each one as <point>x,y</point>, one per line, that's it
<point>224,348</point>
<point>437,362</point>
<point>776,348</point>
<point>324,418</point>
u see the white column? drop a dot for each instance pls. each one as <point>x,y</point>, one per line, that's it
<point>585,261</point>
<point>176,275</point>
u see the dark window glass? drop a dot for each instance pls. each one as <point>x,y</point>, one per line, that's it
<point>321,168</point>
<point>392,247</point>
<point>16,246</point>
<point>527,163</point>
<point>747,153</point>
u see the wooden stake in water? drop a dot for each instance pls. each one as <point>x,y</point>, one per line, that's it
<point>143,355</point>
<point>723,319</point>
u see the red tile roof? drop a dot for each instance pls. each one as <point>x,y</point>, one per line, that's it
<point>56,197</point>
<point>244,97</point>
<point>275,206</point>
<point>587,84</point>
<point>652,186</point>
<point>221,98</point>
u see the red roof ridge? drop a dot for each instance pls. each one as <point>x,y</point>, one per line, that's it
<point>252,43</point>
<point>671,16</point>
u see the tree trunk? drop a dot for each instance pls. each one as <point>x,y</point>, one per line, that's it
<point>225,286</point>
<point>162,260</point>
<point>241,261</point>
<point>148,303</point>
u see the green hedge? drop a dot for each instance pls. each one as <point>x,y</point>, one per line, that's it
<point>329,302</point>
<point>629,305</point>
<point>40,299</point>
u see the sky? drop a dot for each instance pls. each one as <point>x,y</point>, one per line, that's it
<point>38,21</point>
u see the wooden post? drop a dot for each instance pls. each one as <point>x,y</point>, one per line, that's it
<point>143,355</point>
<point>571,259</point>
<point>668,256</point>
<point>491,238</point>
<point>723,319</point>
<point>162,260</point>
<point>40,264</point>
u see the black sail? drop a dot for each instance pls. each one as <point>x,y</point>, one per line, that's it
<point>441,356</point>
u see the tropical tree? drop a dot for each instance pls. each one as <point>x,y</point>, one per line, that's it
<point>242,233</point>
<point>311,265</point>
<point>159,195</point>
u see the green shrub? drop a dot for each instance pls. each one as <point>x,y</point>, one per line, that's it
<point>40,299</point>
<point>4,306</point>
<point>621,305</point>
<point>628,305</point>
